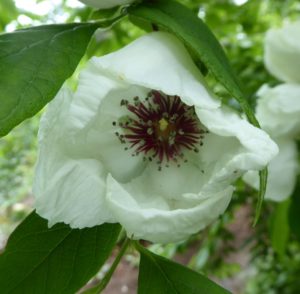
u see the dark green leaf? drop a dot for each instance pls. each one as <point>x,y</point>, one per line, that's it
<point>294,212</point>
<point>161,276</point>
<point>172,16</point>
<point>34,63</point>
<point>280,230</point>
<point>57,260</point>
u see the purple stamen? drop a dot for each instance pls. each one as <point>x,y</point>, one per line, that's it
<point>161,127</point>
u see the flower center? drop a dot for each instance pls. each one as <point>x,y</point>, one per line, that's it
<point>161,127</point>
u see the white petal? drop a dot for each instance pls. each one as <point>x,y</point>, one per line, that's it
<point>278,110</point>
<point>158,223</point>
<point>283,170</point>
<point>159,61</point>
<point>96,105</point>
<point>55,115</point>
<point>117,161</point>
<point>104,4</point>
<point>74,192</point>
<point>169,183</point>
<point>67,189</point>
<point>93,88</point>
<point>282,52</point>
<point>224,170</point>
<point>256,147</point>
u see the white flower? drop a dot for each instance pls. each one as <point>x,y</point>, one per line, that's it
<point>278,111</point>
<point>143,142</point>
<point>104,4</point>
<point>282,52</point>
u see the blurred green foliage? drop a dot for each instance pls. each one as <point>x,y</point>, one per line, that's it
<point>17,159</point>
<point>8,12</point>
<point>240,26</point>
<point>272,274</point>
<point>17,156</point>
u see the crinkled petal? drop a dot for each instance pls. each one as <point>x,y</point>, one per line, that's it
<point>74,193</point>
<point>157,222</point>
<point>166,66</point>
<point>66,189</point>
<point>251,148</point>
<point>104,4</point>
<point>282,52</point>
<point>283,170</point>
<point>278,110</point>
<point>92,89</point>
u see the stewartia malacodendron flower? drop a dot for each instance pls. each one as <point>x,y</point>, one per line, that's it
<point>282,52</point>
<point>278,111</point>
<point>104,4</point>
<point>143,142</point>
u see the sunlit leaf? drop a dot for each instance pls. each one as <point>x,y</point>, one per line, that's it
<point>280,230</point>
<point>34,63</point>
<point>8,12</point>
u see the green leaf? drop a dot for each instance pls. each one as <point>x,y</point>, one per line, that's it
<point>34,63</point>
<point>294,212</point>
<point>174,17</point>
<point>56,260</point>
<point>280,230</point>
<point>161,276</point>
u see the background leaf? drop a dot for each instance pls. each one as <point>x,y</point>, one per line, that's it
<point>8,12</point>
<point>161,276</point>
<point>56,260</point>
<point>294,212</point>
<point>34,63</point>
<point>280,230</point>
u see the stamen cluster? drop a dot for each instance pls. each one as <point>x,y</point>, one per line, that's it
<point>161,127</point>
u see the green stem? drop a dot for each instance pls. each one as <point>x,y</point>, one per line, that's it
<point>112,269</point>
<point>263,178</point>
<point>104,282</point>
<point>106,23</point>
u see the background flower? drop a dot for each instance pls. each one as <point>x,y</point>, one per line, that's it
<point>278,110</point>
<point>282,52</point>
<point>143,142</point>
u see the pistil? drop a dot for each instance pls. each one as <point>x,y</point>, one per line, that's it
<point>161,127</point>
